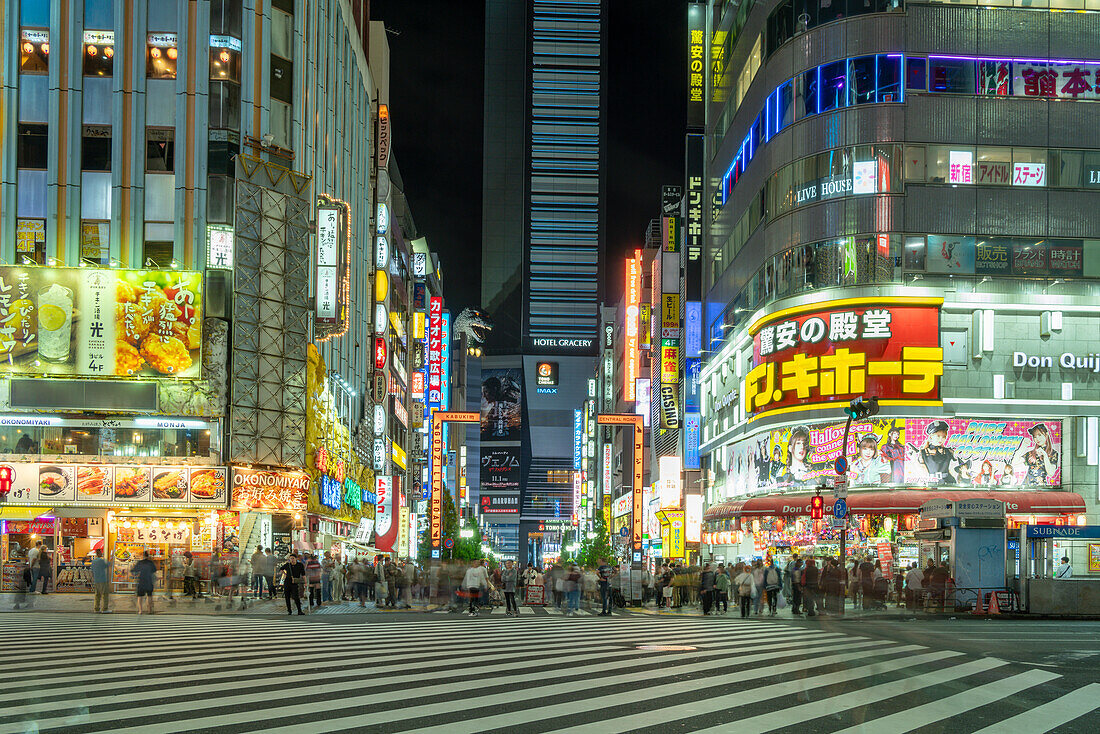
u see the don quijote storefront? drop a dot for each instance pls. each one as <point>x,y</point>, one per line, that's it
<point>961,418</point>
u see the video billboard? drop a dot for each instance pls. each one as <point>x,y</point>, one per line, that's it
<point>500,468</point>
<point>501,404</point>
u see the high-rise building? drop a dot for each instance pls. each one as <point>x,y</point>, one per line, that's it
<point>542,249</point>
<point>895,207</point>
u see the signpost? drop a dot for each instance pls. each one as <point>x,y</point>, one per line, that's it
<point>840,509</point>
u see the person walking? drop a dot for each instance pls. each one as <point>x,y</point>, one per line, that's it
<point>313,580</point>
<point>758,584</point>
<point>32,564</point>
<point>867,582</point>
<point>190,577</point>
<point>746,589</point>
<point>572,588</point>
<point>269,572</point>
<point>722,586</point>
<point>603,576</point>
<point>706,588</point>
<point>914,586</point>
<point>810,579</point>
<point>101,581</point>
<point>853,582</point>
<point>45,568</point>
<point>473,582</point>
<point>294,575</point>
<point>508,578</point>
<point>832,583</point>
<point>145,572</point>
<point>339,580</point>
<point>326,577</point>
<point>390,574</point>
<point>773,583</point>
<point>23,599</point>
<point>257,561</point>
<point>794,573</point>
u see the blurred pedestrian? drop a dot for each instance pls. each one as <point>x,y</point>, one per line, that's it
<point>572,587</point>
<point>313,580</point>
<point>811,577</point>
<point>145,573</point>
<point>773,583</point>
<point>45,568</point>
<point>722,584</point>
<point>746,589</point>
<point>339,581</point>
<point>23,599</point>
<point>508,579</point>
<point>294,575</point>
<point>794,573</point>
<point>758,587</point>
<point>257,561</point>
<point>101,582</point>
<point>32,564</point>
<point>326,577</point>
<point>603,576</point>
<point>706,588</point>
<point>473,582</point>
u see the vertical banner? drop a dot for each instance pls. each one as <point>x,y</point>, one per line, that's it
<point>692,426</point>
<point>637,524</point>
<point>697,64</point>
<point>631,355</point>
<point>694,169</point>
<point>578,438</point>
<point>385,515</point>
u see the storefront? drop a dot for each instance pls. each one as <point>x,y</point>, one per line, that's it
<point>272,506</point>
<point>120,509</point>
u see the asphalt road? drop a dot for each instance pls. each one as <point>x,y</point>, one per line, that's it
<point>630,672</point>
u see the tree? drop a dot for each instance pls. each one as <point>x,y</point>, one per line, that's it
<point>465,548</point>
<point>595,548</point>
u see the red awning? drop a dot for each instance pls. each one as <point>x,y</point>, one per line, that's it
<point>899,502</point>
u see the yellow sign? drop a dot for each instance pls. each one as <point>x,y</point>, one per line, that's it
<point>670,361</point>
<point>670,316</point>
<point>418,324</point>
<point>1094,557</point>
<point>399,456</point>
<point>381,285</point>
<point>676,534</point>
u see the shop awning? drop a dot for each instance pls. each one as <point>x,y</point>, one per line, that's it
<point>901,502</point>
<point>23,513</point>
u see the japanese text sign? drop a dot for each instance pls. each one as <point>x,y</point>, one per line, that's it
<point>883,347</point>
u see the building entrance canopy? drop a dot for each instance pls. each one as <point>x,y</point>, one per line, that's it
<point>898,503</point>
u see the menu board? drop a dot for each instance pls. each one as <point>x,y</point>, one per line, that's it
<point>61,484</point>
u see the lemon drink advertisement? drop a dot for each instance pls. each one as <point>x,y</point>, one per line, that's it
<point>93,322</point>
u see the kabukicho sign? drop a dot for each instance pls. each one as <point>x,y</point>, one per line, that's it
<point>832,352</point>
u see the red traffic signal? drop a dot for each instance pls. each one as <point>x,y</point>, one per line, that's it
<point>817,507</point>
<point>7,474</point>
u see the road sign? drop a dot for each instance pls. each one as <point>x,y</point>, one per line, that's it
<point>624,531</point>
<point>449,543</point>
<point>841,465</point>
<point>840,508</point>
<point>840,487</point>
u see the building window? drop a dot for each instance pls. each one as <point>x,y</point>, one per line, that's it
<point>33,148</point>
<point>95,242</point>
<point>282,79</point>
<point>34,51</point>
<point>225,61</point>
<point>99,13</point>
<point>161,56</point>
<point>156,253</point>
<point>219,157</point>
<point>99,53</point>
<point>160,150</point>
<point>287,6</point>
<point>95,149</point>
<point>225,17</point>
<point>30,240</point>
<point>225,105</point>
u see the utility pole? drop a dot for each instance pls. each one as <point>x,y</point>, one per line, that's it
<point>858,409</point>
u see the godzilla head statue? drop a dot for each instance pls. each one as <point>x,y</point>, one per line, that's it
<point>474,324</point>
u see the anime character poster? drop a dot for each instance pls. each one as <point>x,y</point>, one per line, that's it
<point>984,453</point>
<point>501,404</point>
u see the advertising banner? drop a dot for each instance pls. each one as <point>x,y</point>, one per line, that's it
<point>270,489</point>
<point>670,316</point>
<point>500,468</point>
<point>845,349</point>
<point>623,505</point>
<point>901,452</point>
<point>65,484</point>
<point>90,322</point>
<point>501,404</point>
<point>386,520</point>
<point>435,353</point>
<point>677,535</point>
<point>631,323</point>
<point>499,503</point>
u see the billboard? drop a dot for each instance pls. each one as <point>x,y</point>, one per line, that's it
<point>501,404</point>
<point>499,503</point>
<point>89,322</point>
<point>631,354</point>
<point>835,351</point>
<point>385,516</point>
<point>897,452</point>
<point>500,468</point>
<point>270,489</point>
<point>435,353</point>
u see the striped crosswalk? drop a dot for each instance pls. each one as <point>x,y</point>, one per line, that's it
<point>547,673</point>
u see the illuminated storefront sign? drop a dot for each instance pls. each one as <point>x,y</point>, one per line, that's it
<point>435,353</point>
<point>270,489</point>
<point>693,329</point>
<point>693,517</point>
<point>635,421</point>
<point>607,479</point>
<point>578,438</point>
<point>383,218</point>
<point>631,355</point>
<point>839,350</point>
<point>383,140</point>
<point>697,63</point>
<point>623,506</point>
<point>385,514</point>
<point>59,485</point>
<point>670,361</point>
<point>381,252</point>
<point>332,254</point>
<point>379,353</point>
<point>692,427</point>
<point>331,494</point>
<point>439,420</point>
<point>93,322</point>
<point>961,167</point>
<point>420,264</point>
<point>670,316</point>
<point>642,405</point>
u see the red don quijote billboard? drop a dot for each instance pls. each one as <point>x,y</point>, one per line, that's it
<point>835,351</point>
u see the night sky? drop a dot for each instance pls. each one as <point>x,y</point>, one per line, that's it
<point>436,108</point>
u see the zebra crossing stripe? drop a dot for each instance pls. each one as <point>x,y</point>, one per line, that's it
<point>1051,714</point>
<point>960,703</point>
<point>855,699</point>
<point>416,676</point>
<point>527,716</point>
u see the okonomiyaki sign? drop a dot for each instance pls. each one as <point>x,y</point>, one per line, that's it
<point>832,352</point>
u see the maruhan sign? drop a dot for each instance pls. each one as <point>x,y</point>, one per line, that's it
<point>1067,360</point>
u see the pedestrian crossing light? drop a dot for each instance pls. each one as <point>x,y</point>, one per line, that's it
<point>817,507</point>
<point>6,476</point>
<point>859,408</point>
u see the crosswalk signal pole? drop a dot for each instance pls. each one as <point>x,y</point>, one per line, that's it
<point>857,409</point>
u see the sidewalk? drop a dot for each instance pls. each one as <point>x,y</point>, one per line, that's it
<point>127,604</point>
<point>891,612</point>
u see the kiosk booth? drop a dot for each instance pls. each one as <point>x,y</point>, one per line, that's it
<point>1041,550</point>
<point>968,536</point>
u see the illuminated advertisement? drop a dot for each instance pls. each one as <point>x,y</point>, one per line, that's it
<point>333,250</point>
<point>670,316</point>
<point>631,354</point>
<point>676,533</point>
<point>897,452</point>
<point>836,351</point>
<point>693,517</point>
<point>499,503</point>
<point>697,64</point>
<point>90,322</point>
<point>435,353</point>
<point>546,374</point>
<point>641,406</point>
<point>270,489</point>
<point>385,516</point>
<point>692,427</point>
<point>578,438</point>
<point>500,468</point>
<point>607,478</point>
<point>626,419</point>
<point>501,404</point>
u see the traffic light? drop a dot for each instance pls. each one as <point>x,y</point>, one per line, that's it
<point>7,474</point>
<point>859,408</point>
<point>817,507</point>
